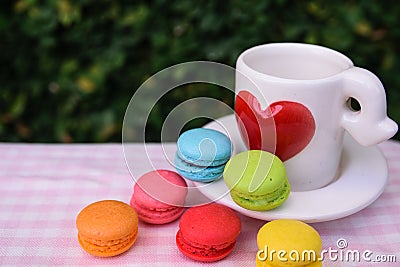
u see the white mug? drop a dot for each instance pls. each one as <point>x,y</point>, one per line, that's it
<point>292,99</point>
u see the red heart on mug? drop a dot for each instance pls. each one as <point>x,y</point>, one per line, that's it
<point>284,128</point>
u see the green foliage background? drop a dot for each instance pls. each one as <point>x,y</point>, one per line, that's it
<point>69,68</point>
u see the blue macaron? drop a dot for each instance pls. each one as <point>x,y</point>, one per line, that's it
<point>202,154</point>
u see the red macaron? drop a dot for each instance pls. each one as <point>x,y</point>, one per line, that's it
<point>208,233</point>
<point>159,196</point>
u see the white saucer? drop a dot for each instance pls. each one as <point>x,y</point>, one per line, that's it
<point>364,177</point>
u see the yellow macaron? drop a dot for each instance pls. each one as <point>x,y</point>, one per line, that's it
<point>288,243</point>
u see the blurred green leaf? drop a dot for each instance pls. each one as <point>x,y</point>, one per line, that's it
<point>69,68</point>
<point>18,106</point>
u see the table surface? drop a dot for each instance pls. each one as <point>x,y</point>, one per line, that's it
<point>44,186</point>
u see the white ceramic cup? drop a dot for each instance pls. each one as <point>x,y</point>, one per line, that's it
<point>306,90</point>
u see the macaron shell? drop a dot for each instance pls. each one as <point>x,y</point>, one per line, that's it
<point>107,228</point>
<point>210,224</point>
<point>208,232</point>
<point>160,189</point>
<point>255,171</point>
<point>289,235</point>
<point>159,196</point>
<point>257,180</point>
<point>98,220</point>
<point>204,147</point>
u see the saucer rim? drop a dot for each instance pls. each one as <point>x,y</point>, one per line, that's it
<point>287,212</point>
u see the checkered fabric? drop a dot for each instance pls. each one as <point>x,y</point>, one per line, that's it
<point>44,186</point>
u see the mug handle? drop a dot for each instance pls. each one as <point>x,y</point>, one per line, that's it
<point>370,125</point>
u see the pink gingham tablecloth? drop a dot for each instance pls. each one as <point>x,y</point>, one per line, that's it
<point>44,186</point>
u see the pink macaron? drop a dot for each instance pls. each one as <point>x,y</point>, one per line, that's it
<point>159,196</point>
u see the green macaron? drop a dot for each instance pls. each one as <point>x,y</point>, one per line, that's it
<point>257,180</point>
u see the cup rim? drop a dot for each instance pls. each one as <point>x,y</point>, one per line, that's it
<point>341,58</point>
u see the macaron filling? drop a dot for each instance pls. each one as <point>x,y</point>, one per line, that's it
<point>152,215</point>
<point>201,250</point>
<point>109,247</point>
<point>203,162</point>
<point>261,202</point>
<point>196,172</point>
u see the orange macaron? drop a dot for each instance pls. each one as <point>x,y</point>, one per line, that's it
<point>107,228</point>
